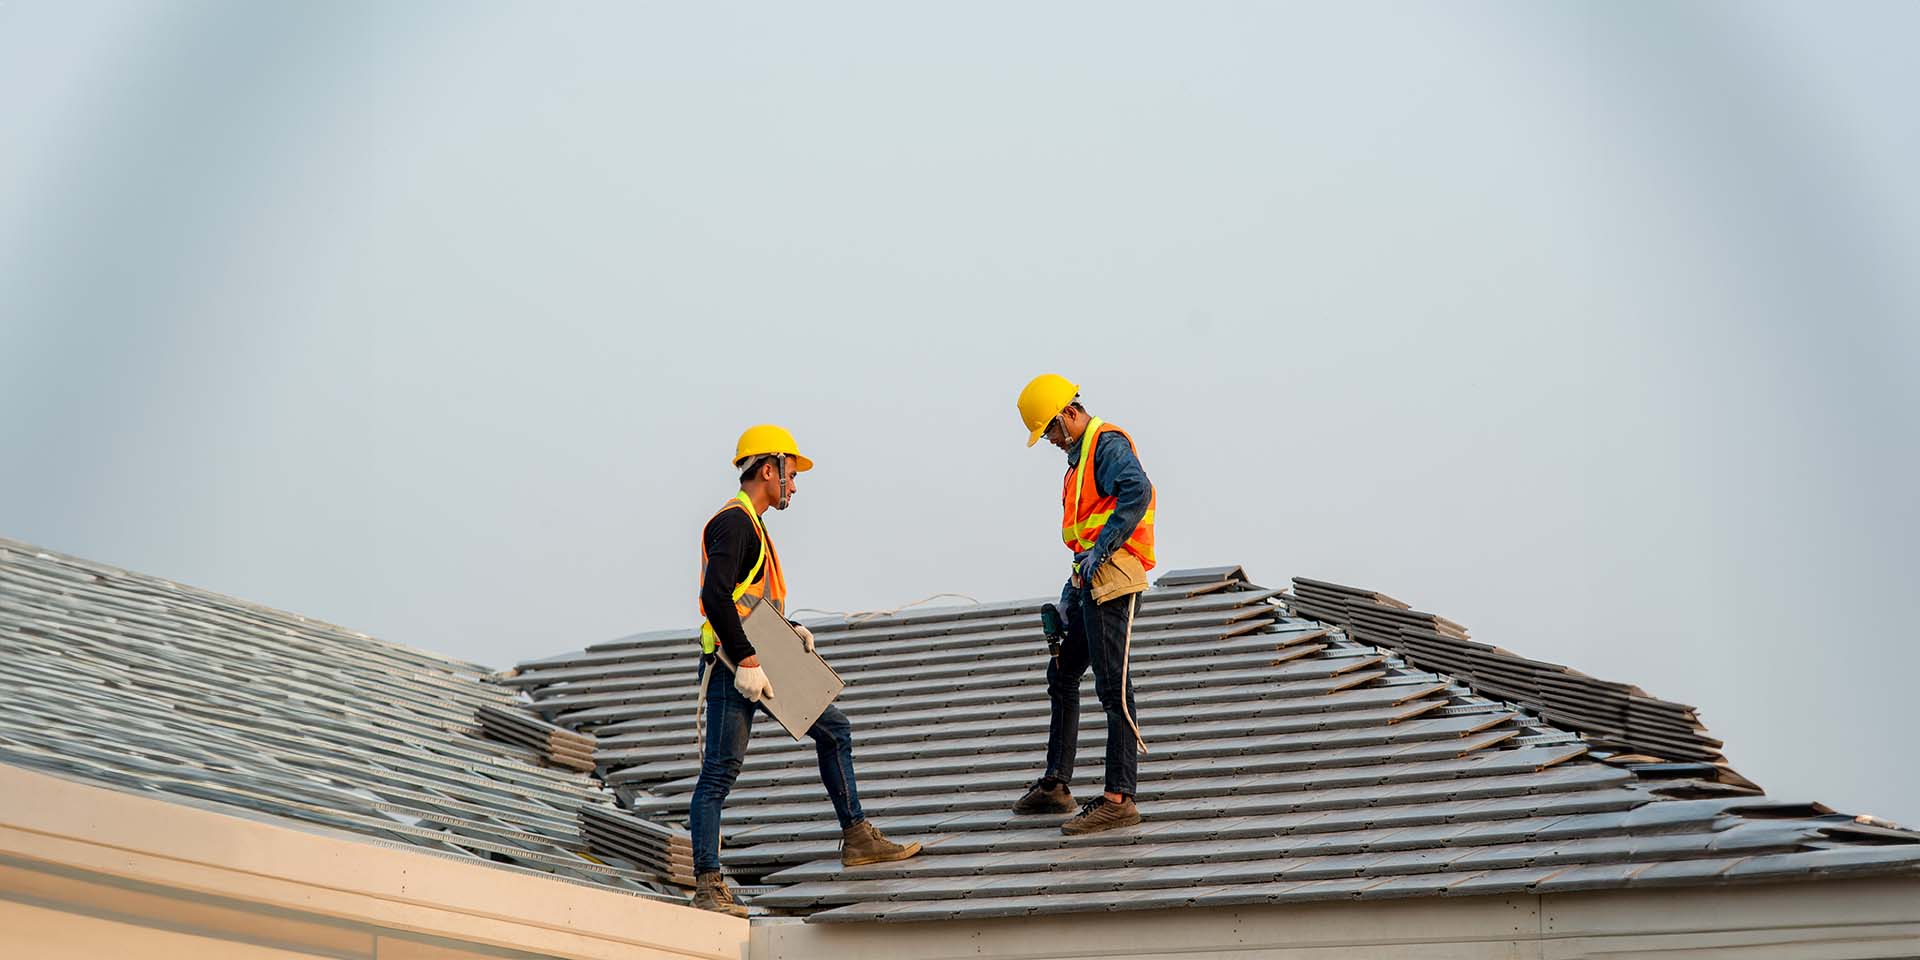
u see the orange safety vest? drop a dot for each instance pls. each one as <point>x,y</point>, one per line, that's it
<point>1084,511</point>
<point>772,588</point>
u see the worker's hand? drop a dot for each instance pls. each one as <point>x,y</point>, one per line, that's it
<point>1089,562</point>
<point>806,636</point>
<point>752,684</point>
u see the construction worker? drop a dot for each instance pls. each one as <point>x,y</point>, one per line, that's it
<point>1107,508</point>
<point>738,562</point>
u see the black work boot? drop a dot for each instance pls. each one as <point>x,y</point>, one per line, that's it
<point>1047,795</point>
<point>710,892</point>
<point>864,843</point>
<point>1102,814</point>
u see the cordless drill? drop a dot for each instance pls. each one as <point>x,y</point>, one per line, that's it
<point>1054,628</point>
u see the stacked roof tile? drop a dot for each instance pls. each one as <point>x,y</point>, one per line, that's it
<point>143,684</point>
<point>1295,755</point>
<point>1616,714</point>
<point>660,849</point>
<point>559,746</point>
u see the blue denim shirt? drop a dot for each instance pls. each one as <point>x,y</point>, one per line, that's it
<point>1116,473</point>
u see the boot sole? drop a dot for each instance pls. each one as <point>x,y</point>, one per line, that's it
<point>908,851</point>
<point>1073,831</point>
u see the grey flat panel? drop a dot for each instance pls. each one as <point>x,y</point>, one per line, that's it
<point>804,686</point>
<point>1755,835</point>
<point>1418,885</point>
<point>1430,860</point>
<point>873,912</point>
<point>1000,885</point>
<point>1493,882</point>
<point>1535,806</point>
<point>1654,816</point>
<point>1699,870</point>
<point>646,639</point>
<point>1336,888</point>
<point>1525,829</point>
<point>1903,858</point>
<point>1193,575</point>
<point>1603,876</point>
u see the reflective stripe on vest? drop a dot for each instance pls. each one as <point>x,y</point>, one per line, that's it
<point>1084,512</point>
<point>773,589</point>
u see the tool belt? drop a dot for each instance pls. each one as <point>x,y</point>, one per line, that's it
<point>1122,575</point>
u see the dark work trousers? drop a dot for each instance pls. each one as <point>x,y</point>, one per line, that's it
<point>1096,637</point>
<point>729,726</point>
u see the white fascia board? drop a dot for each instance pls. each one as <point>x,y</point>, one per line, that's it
<point>79,826</point>
<point>1803,920</point>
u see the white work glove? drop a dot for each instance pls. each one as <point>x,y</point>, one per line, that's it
<point>752,684</point>
<point>806,636</point>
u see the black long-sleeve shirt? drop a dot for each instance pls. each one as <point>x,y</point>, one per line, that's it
<point>732,549</point>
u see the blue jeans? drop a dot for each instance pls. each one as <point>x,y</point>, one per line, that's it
<point>729,726</point>
<point>1096,636</point>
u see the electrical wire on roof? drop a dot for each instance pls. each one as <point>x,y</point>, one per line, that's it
<point>862,616</point>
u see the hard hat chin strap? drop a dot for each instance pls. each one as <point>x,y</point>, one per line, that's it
<point>786,495</point>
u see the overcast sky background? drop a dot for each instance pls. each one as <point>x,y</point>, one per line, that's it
<point>1593,327</point>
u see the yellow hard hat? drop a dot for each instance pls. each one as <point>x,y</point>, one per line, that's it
<point>1042,400</point>
<point>767,438</point>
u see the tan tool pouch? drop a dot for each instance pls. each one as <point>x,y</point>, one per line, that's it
<point>1122,575</point>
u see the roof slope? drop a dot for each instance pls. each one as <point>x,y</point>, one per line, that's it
<point>1289,762</point>
<point>144,684</point>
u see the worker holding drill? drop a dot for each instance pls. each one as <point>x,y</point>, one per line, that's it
<point>739,567</point>
<point>1107,506</point>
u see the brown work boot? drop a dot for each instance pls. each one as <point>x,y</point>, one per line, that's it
<point>710,893</point>
<point>1102,814</point>
<point>864,843</point>
<point>1047,795</point>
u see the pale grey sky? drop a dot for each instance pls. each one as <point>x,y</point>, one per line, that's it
<point>1592,327</point>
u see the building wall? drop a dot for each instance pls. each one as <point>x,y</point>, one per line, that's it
<point>46,933</point>
<point>52,914</point>
<point>87,871</point>
<point>1814,920</point>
